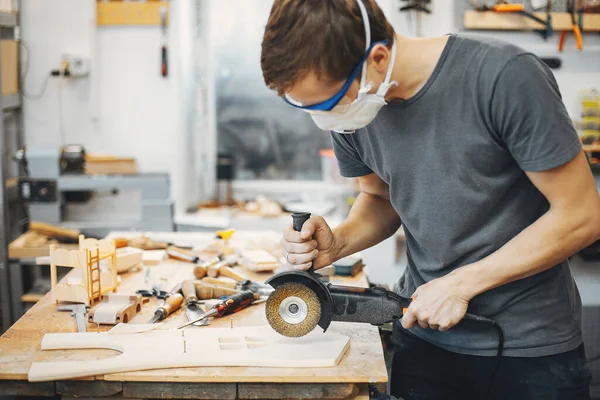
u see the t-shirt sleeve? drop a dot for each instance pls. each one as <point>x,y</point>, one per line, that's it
<point>349,161</point>
<point>528,114</point>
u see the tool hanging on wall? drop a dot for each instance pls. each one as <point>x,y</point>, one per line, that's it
<point>575,6</point>
<point>420,6</point>
<point>519,8</point>
<point>164,64</point>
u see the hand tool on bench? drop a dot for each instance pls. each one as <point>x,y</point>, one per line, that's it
<point>301,301</point>
<point>246,284</point>
<point>170,305</point>
<point>205,291</point>
<point>201,268</point>
<point>78,311</point>
<point>229,306</point>
<point>193,307</point>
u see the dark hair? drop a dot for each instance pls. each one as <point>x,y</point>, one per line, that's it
<point>326,37</point>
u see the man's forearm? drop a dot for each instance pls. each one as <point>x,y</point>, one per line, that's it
<point>551,239</point>
<point>372,219</point>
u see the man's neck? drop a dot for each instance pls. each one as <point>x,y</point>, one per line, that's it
<point>416,59</point>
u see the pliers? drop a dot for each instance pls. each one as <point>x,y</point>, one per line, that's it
<point>577,28</point>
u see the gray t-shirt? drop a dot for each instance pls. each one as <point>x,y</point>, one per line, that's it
<point>454,157</point>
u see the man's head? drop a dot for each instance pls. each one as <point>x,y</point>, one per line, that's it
<point>311,47</point>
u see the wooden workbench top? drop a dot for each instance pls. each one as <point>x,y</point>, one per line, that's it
<point>20,345</point>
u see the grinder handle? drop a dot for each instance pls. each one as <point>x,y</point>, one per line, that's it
<point>298,220</point>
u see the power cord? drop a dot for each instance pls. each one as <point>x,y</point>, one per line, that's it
<point>489,321</point>
<point>52,73</point>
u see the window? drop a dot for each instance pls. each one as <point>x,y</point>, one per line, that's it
<point>268,138</point>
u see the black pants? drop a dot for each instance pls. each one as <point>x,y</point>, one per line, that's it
<point>422,371</point>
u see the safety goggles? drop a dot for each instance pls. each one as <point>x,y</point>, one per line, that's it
<point>331,103</point>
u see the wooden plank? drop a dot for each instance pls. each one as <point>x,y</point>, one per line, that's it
<point>129,13</point>
<point>161,390</point>
<point>591,148</point>
<point>107,165</point>
<point>24,388</point>
<point>32,297</point>
<point>489,20</point>
<point>308,390</point>
<point>32,245</point>
<point>88,388</point>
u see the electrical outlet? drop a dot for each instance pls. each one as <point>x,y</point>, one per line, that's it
<point>75,66</point>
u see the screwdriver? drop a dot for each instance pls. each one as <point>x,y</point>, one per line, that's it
<point>230,305</point>
<point>171,304</point>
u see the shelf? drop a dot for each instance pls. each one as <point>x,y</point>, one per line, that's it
<point>11,101</point>
<point>8,19</point>
<point>591,148</point>
<point>490,20</point>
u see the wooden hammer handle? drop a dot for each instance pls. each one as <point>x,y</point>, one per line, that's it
<point>200,271</point>
<point>219,282</point>
<point>205,292</point>
<point>189,291</point>
<point>172,303</point>
<point>230,273</point>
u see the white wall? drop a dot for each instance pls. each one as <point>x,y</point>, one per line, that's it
<point>580,70</point>
<point>125,107</point>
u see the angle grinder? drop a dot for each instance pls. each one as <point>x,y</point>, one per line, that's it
<point>301,301</point>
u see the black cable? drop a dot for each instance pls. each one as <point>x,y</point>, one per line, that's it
<point>489,321</point>
<point>24,75</point>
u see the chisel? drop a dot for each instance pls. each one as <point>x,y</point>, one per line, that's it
<point>170,305</point>
<point>231,305</point>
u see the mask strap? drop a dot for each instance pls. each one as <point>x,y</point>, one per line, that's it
<point>365,17</point>
<point>388,75</point>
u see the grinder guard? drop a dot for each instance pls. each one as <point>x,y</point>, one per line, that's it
<point>312,281</point>
<point>375,306</point>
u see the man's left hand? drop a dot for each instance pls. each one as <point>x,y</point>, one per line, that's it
<point>439,304</point>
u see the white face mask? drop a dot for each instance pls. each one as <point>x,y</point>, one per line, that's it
<point>359,113</point>
<point>363,109</point>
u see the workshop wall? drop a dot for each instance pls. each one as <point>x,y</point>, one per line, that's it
<point>124,107</point>
<point>579,69</point>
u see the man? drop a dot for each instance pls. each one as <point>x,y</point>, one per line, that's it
<point>465,141</point>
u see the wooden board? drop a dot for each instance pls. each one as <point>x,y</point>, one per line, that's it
<point>32,245</point>
<point>224,347</point>
<point>489,20</point>
<point>20,345</point>
<point>591,148</point>
<point>129,13</point>
<point>10,68</point>
<point>109,165</point>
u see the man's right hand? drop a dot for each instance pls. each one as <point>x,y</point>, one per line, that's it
<point>315,245</point>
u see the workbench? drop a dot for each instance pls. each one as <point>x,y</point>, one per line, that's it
<point>362,364</point>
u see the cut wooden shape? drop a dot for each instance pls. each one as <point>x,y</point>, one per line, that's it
<point>153,257</point>
<point>258,261</point>
<point>127,258</point>
<point>239,347</point>
<point>116,308</point>
<point>128,329</point>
